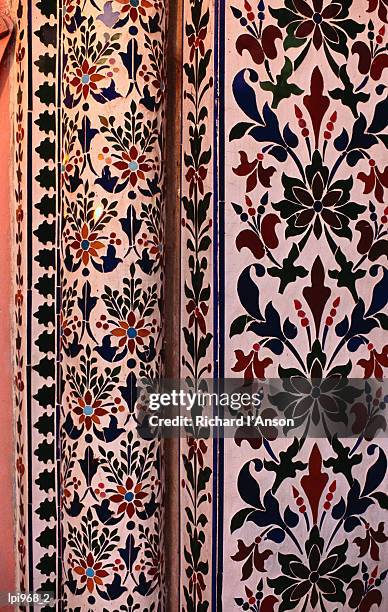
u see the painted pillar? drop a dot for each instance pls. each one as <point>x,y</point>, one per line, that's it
<point>111,264</point>
<point>89,277</point>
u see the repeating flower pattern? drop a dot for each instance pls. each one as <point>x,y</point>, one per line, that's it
<point>295,239</point>
<point>112,231</point>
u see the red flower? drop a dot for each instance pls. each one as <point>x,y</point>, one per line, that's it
<point>196,448</point>
<point>65,330</point>
<point>195,177</point>
<point>252,557</point>
<point>133,165</point>
<point>197,313</point>
<point>316,21</point>
<point>86,79</point>
<point>376,362</point>
<point>86,245</point>
<point>254,170</point>
<point>134,7</point>
<point>196,42</point>
<point>373,537</point>
<point>262,48</point>
<point>252,366</point>
<point>69,8</point>
<point>89,411</point>
<point>130,332</point>
<point>382,8</point>
<point>90,572</point>
<point>196,582</point>
<point>375,180</point>
<point>129,497</point>
<point>369,63</point>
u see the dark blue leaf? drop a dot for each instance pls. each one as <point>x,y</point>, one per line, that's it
<point>248,487</point>
<point>380,118</point>
<point>113,590</point>
<point>110,93</point>
<point>351,523</point>
<point>110,261</point>
<point>130,392</point>
<point>276,535</point>
<point>342,327</point>
<point>355,343</point>
<point>279,153</point>
<point>130,553</point>
<point>131,59</point>
<point>131,224</point>
<point>376,472</point>
<point>248,291</point>
<point>245,95</point>
<point>109,182</point>
<point>86,303</point>
<point>339,510</point>
<point>236,12</point>
<point>275,345</point>
<point>342,141</point>
<point>271,326</point>
<point>270,131</point>
<point>290,138</point>
<point>380,295</point>
<point>354,157</point>
<point>290,518</point>
<point>289,329</point>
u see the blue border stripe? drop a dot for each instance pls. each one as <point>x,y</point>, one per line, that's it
<point>221,298</point>
<point>218,296</point>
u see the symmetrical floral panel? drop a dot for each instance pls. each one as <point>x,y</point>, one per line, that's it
<point>89,117</point>
<point>283,265</point>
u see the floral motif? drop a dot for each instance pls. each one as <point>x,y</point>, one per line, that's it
<point>129,497</point>
<point>131,332</point>
<point>318,22</point>
<point>317,203</point>
<point>319,577</point>
<point>89,411</point>
<point>91,573</point>
<point>134,8</point>
<point>132,165</point>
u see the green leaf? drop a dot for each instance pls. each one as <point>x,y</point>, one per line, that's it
<point>282,89</point>
<point>239,325</point>
<point>239,130</point>
<point>239,519</point>
<point>286,468</point>
<point>343,463</point>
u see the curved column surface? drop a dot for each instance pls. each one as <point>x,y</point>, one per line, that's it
<point>89,92</point>
<point>111,278</point>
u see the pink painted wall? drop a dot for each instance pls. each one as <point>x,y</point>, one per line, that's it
<point>7,556</point>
